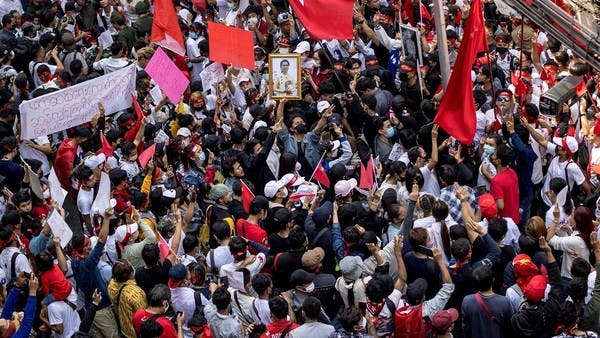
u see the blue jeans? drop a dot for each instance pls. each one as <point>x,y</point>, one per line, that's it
<point>525,205</point>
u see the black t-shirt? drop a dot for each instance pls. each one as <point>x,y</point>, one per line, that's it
<point>147,278</point>
<point>278,244</point>
<point>285,264</point>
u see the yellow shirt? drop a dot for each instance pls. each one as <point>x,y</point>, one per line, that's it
<point>132,298</point>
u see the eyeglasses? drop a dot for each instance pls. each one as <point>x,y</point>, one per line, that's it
<point>503,99</point>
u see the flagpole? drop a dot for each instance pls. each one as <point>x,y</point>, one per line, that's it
<point>326,52</point>
<point>314,171</point>
<point>440,29</point>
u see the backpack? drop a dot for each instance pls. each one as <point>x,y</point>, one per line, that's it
<point>410,323</point>
<point>204,232</point>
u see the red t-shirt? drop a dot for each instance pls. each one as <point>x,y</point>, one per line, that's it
<point>252,232</point>
<point>142,315</point>
<point>505,186</point>
<point>64,162</point>
<point>54,281</point>
<point>276,328</point>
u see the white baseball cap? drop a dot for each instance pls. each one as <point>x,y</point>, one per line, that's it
<point>272,187</point>
<point>124,230</point>
<point>302,47</point>
<point>322,105</point>
<point>344,187</point>
<point>569,143</point>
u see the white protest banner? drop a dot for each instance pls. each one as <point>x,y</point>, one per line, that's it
<point>102,201</point>
<point>56,191</point>
<point>212,74</point>
<point>76,105</point>
<point>34,182</point>
<point>60,228</point>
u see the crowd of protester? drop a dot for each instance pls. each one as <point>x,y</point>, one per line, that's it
<point>346,213</point>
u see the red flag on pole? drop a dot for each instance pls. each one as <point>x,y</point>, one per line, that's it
<point>247,196</point>
<point>105,148</point>
<point>320,175</point>
<point>146,155</point>
<point>456,114</point>
<point>165,27</point>
<point>163,248</point>
<point>230,45</point>
<point>136,108</point>
<point>317,15</point>
<point>366,175</point>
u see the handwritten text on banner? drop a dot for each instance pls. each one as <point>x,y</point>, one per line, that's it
<point>76,105</point>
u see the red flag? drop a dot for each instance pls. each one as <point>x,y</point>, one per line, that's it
<point>529,2</point>
<point>320,175</point>
<point>164,248</point>
<point>296,196</point>
<point>520,87</point>
<point>136,108</point>
<point>200,5</point>
<point>146,155</point>
<point>230,45</point>
<point>317,15</point>
<point>580,88</point>
<point>105,148</point>
<point>247,196</point>
<point>407,12</point>
<point>165,27</point>
<point>366,175</point>
<point>456,114</point>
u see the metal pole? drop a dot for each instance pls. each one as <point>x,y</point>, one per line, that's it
<point>440,29</point>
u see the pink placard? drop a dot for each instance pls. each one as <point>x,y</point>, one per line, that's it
<point>168,77</point>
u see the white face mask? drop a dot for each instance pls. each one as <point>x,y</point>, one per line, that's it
<point>46,194</point>
<point>252,21</point>
<point>310,288</point>
<point>258,63</point>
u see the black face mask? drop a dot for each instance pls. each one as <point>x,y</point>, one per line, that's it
<point>403,77</point>
<point>501,50</point>
<point>300,129</point>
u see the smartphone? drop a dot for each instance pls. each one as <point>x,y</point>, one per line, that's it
<point>425,250</point>
<point>224,281</point>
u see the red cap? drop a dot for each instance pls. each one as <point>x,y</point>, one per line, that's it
<point>443,319</point>
<point>535,289</point>
<point>487,205</point>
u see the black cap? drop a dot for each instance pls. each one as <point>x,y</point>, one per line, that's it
<point>334,118</point>
<point>301,277</point>
<point>282,216</point>
<point>260,203</point>
<point>257,111</point>
<point>415,291</point>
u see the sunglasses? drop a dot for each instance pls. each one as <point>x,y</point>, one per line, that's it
<point>503,99</point>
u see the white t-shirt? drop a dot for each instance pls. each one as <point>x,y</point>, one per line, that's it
<point>512,233</point>
<point>61,313</point>
<point>236,279</point>
<point>430,182</point>
<point>21,263</point>
<point>84,201</point>
<point>222,257</point>
<point>557,169</point>
<point>33,66</point>
<point>260,311</point>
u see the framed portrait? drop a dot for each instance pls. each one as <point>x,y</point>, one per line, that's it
<point>285,76</point>
<point>411,43</point>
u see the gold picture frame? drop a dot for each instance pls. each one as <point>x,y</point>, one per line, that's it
<point>285,83</point>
